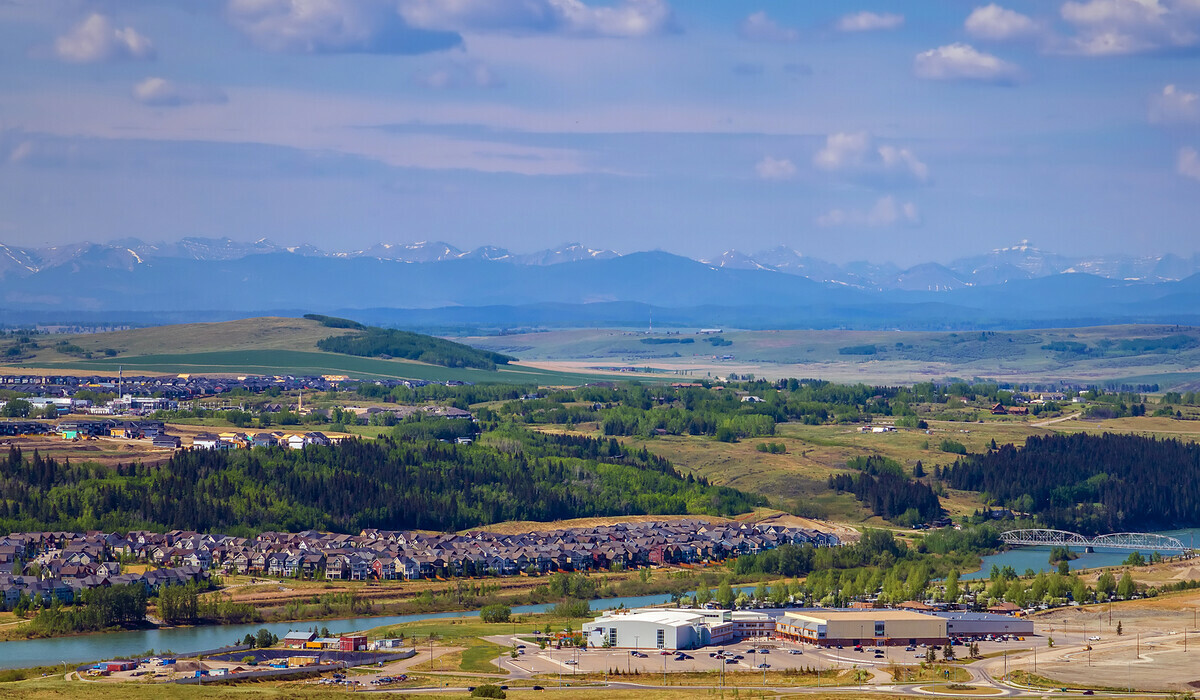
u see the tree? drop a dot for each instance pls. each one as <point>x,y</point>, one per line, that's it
<point>725,594</point>
<point>948,652</point>
<point>496,612</point>
<point>1126,588</point>
<point>16,408</point>
<point>1106,584</point>
<point>1120,630</point>
<point>265,639</point>
<point>952,592</point>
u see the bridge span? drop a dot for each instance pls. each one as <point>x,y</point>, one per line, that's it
<point>1120,540</point>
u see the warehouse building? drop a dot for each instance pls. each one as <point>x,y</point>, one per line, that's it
<point>853,627</point>
<point>973,624</point>
<point>650,629</point>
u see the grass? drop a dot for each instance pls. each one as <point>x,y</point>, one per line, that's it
<point>923,673</point>
<point>276,361</point>
<point>732,679</point>
<point>901,357</point>
<point>478,657</point>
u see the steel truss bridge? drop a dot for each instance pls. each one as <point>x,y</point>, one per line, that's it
<point>1121,540</point>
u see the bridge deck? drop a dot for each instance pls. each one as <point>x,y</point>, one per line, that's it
<point>1119,540</point>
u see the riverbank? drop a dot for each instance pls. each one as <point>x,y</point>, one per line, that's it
<point>292,602</point>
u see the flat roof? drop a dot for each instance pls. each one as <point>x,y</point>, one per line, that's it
<point>669,618</point>
<point>865,614</point>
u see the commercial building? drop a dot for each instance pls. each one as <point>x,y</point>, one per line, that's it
<point>852,627</point>
<point>676,628</point>
<point>972,624</point>
<point>647,629</point>
<point>752,625</point>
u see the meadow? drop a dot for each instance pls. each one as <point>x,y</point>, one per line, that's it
<point>1167,355</point>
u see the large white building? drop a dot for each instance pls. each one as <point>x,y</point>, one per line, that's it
<point>675,628</point>
<point>652,628</point>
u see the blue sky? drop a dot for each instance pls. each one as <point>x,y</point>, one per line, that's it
<point>885,131</point>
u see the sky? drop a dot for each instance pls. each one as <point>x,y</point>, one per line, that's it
<point>885,131</point>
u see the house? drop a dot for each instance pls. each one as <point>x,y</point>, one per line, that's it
<point>168,442</point>
<point>264,440</point>
<point>208,441</point>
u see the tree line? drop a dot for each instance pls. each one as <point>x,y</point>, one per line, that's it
<point>387,342</point>
<point>389,483</point>
<point>1090,483</point>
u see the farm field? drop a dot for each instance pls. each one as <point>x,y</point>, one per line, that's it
<point>1100,354</point>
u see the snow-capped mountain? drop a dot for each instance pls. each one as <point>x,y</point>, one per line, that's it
<point>999,266</point>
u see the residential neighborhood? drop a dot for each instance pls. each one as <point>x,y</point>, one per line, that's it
<point>60,564</point>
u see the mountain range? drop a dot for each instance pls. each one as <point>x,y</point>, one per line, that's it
<point>399,284</point>
<point>1018,262</point>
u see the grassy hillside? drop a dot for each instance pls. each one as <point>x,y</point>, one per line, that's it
<point>256,346</point>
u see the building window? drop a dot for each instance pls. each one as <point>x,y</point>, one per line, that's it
<point>612,636</point>
<point>880,629</point>
<point>661,638</point>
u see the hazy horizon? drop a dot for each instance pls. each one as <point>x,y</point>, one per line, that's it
<point>886,131</point>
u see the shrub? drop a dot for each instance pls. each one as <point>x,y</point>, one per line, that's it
<point>488,691</point>
<point>496,612</point>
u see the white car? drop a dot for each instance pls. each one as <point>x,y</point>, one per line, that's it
<point>1093,639</point>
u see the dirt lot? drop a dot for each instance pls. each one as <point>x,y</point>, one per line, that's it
<point>1158,648</point>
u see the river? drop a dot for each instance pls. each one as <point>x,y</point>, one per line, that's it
<point>92,647</point>
<point>1038,558</point>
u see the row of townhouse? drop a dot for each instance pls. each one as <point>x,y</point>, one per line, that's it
<point>385,554</point>
<point>232,440</point>
<point>70,585</point>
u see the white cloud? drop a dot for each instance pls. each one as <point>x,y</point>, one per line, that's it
<point>963,62</point>
<point>1174,106</point>
<point>842,150</point>
<point>760,27</point>
<point>333,26</point>
<point>160,92</point>
<point>887,211</point>
<point>1120,27</point>
<point>1188,163</point>
<point>775,168</point>
<point>999,24</point>
<point>869,21</point>
<point>856,154</point>
<point>625,18</point>
<point>903,159</point>
<point>96,39</point>
<point>460,74</point>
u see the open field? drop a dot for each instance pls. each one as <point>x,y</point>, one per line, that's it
<point>896,356</point>
<point>1150,653</point>
<point>268,346</point>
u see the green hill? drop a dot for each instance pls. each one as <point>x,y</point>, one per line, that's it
<point>273,345</point>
